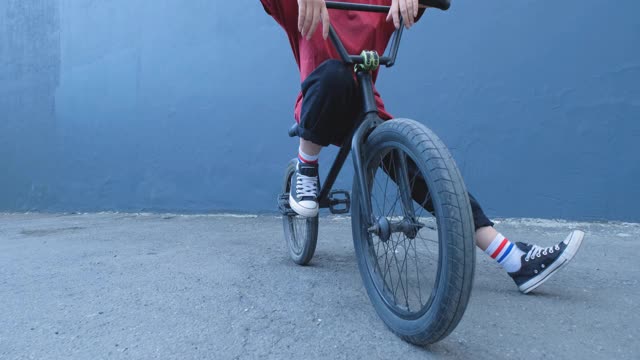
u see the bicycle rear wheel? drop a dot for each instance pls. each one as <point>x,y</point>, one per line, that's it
<point>417,259</point>
<point>301,233</point>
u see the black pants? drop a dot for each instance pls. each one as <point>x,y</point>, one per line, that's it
<point>331,105</point>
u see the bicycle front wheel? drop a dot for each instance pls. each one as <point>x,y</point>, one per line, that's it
<point>416,251</point>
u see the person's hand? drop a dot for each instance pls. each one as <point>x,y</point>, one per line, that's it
<point>407,8</point>
<point>310,13</point>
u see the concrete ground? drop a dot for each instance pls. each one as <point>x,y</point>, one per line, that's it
<point>123,286</point>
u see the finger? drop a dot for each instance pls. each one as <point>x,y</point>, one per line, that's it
<point>325,22</point>
<point>410,12</point>
<point>415,11</point>
<point>308,18</point>
<point>404,13</point>
<point>315,19</point>
<point>410,16</point>
<point>302,7</point>
<point>395,14</point>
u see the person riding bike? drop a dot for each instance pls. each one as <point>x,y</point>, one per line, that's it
<point>329,104</point>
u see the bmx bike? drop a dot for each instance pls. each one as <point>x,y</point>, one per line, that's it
<point>410,215</point>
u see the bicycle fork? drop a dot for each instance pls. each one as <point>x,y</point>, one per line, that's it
<point>382,226</point>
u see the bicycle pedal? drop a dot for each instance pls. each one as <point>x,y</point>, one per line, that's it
<point>339,201</point>
<point>283,205</point>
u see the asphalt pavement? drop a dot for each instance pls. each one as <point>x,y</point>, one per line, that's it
<point>154,286</point>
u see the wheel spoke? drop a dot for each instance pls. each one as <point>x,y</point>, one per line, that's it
<point>385,190</point>
<point>402,181</point>
<point>415,253</point>
<point>403,266</point>
<point>386,265</point>
<point>398,269</point>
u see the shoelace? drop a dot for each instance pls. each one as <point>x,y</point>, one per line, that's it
<point>537,251</point>
<point>306,186</point>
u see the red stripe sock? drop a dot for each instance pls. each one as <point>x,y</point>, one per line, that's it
<point>306,158</point>
<point>505,253</point>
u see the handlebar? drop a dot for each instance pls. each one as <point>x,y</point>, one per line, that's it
<point>389,60</point>
<point>438,4</point>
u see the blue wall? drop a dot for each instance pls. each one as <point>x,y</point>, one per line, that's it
<point>132,105</point>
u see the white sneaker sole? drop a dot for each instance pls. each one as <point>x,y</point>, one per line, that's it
<point>573,244</point>
<point>301,210</point>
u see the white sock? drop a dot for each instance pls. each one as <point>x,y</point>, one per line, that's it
<point>506,253</point>
<point>306,158</point>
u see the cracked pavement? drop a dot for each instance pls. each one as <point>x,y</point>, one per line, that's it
<point>161,286</point>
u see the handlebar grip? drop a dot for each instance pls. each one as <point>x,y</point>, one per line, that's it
<point>439,4</point>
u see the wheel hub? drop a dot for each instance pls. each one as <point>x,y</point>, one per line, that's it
<point>383,228</point>
<point>410,228</point>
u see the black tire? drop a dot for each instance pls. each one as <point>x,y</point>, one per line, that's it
<point>300,232</point>
<point>453,267</point>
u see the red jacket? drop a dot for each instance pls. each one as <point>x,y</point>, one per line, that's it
<point>358,31</point>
